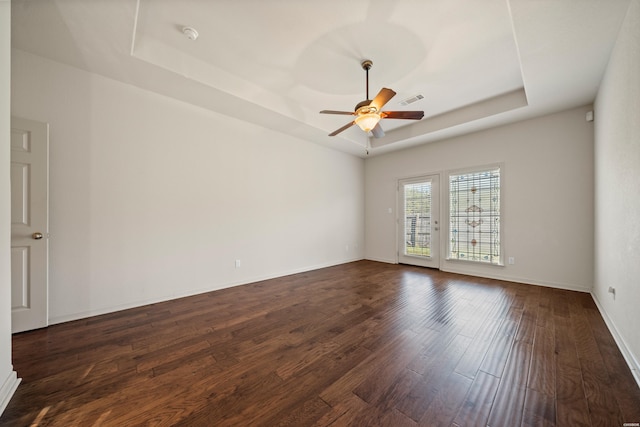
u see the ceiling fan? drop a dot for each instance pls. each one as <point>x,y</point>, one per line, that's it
<point>369,113</point>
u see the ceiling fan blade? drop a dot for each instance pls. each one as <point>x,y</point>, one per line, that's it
<point>345,127</point>
<point>407,115</point>
<point>347,113</point>
<point>377,131</point>
<point>382,98</point>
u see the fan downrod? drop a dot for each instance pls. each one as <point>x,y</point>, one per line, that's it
<point>366,66</point>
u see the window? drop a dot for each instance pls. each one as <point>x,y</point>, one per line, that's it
<point>474,216</point>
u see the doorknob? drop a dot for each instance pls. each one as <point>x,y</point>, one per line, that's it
<point>37,235</point>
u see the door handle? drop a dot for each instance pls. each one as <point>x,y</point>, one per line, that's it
<point>37,235</point>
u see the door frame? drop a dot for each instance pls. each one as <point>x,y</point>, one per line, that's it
<point>437,196</point>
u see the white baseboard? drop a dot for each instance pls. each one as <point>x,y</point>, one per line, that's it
<point>524,280</point>
<point>105,310</point>
<point>629,357</point>
<point>386,261</point>
<point>565,286</point>
<point>8,387</point>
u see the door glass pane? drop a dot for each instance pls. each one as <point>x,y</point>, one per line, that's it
<point>417,219</point>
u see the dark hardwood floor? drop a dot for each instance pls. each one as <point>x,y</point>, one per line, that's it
<point>361,344</point>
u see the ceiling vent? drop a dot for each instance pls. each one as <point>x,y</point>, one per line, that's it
<point>411,100</point>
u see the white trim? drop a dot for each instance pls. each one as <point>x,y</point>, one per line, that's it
<point>213,287</point>
<point>629,357</point>
<point>474,263</point>
<point>385,260</point>
<point>523,280</point>
<point>8,388</point>
<point>564,286</point>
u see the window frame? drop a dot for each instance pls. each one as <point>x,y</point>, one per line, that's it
<point>447,217</point>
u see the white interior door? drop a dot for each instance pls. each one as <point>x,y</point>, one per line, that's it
<point>29,224</point>
<point>419,221</point>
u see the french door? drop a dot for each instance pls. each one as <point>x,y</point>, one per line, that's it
<point>419,221</point>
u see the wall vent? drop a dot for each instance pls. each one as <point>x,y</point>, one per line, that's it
<point>411,100</point>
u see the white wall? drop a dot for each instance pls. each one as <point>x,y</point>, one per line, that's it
<point>547,197</point>
<point>617,172</point>
<point>8,378</point>
<point>152,198</point>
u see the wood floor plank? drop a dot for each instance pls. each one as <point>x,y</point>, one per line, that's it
<point>389,369</point>
<point>602,402</point>
<point>439,368</point>
<point>624,388</point>
<point>586,344</point>
<point>474,411</point>
<point>344,387</point>
<point>304,414</point>
<point>623,385</point>
<point>571,403</point>
<point>545,311</point>
<point>507,409</point>
<point>363,343</point>
<point>542,376</point>
<point>539,410</point>
<point>566,353</point>
<point>527,326</point>
<point>436,343</point>
<point>559,304</point>
<point>470,362</point>
<point>447,402</point>
<point>498,352</point>
<point>395,418</point>
<point>346,413</point>
<point>397,391</point>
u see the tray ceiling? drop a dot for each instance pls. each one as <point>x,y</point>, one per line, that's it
<point>277,63</point>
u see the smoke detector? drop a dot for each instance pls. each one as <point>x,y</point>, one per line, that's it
<point>190,33</point>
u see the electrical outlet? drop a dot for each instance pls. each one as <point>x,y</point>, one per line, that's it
<point>238,263</point>
<point>512,260</point>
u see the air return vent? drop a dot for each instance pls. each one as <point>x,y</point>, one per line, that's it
<point>411,100</point>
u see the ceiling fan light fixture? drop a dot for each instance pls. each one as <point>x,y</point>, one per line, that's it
<point>369,112</point>
<point>367,121</point>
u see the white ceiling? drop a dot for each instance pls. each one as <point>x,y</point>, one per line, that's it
<point>277,63</point>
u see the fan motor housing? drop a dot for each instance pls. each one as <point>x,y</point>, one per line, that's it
<point>361,104</point>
